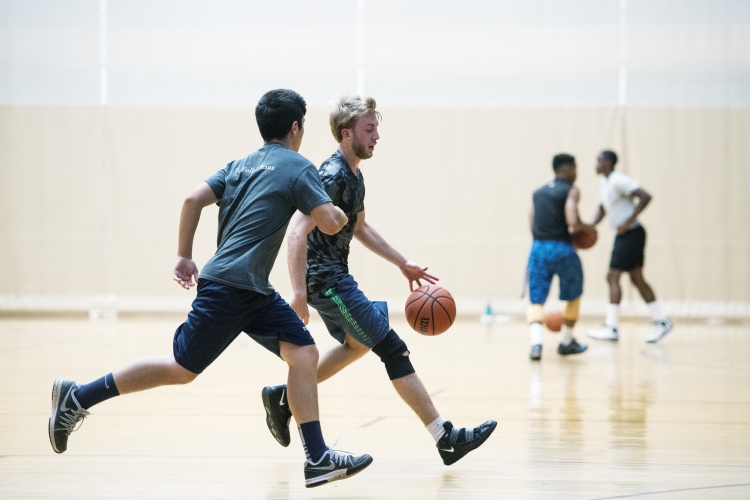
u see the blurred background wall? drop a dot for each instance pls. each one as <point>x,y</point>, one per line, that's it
<point>112,111</point>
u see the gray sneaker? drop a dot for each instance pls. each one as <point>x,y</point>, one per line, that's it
<point>334,465</point>
<point>66,414</point>
<point>278,414</point>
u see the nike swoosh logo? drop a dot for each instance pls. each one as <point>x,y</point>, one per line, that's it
<point>64,408</point>
<point>281,401</point>
<point>330,466</point>
<point>449,450</point>
<point>106,385</point>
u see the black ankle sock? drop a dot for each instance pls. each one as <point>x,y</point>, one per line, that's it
<point>97,391</point>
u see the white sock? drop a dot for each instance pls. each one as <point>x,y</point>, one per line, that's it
<point>567,334</point>
<point>436,428</point>
<point>613,314</point>
<point>656,311</point>
<point>536,333</point>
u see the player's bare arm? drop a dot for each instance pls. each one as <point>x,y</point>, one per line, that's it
<point>644,198</point>
<point>300,227</point>
<point>185,271</point>
<point>598,215</point>
<point>329,218</point>
<point>371,239</point>
<point>572,218</point>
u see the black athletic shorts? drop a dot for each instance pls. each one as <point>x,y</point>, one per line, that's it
<point>221,312</point>
<point>627,253</point>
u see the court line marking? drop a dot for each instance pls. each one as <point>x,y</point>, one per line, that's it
<point>372,422</point>
<point>674,491</point>
<point>437,392</point>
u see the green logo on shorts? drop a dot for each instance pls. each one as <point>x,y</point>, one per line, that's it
<point>347,315</point>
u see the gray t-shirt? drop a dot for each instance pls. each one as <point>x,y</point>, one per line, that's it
<point>257,197</point>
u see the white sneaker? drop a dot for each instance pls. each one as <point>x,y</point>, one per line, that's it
<point>661,329</point>
<point>606,332</point>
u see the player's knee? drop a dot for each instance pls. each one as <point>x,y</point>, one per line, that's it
<point>572,309</point>
<point>299,356</point>
<point>535,313</point>
<point>181,376</point>
<point>394,354</point>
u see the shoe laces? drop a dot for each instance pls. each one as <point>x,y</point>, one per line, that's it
<point>73,418</point>
<point>340,457</point>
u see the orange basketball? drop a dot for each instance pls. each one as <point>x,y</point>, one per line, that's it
<point>584,239</point>
<point>553,320</point>
<point>430,310</point>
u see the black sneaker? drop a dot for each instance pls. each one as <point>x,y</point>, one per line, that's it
<point>536,352</point>
<point>278,414</point>
<point>456,443</point>
<point>334,465</point>
<point>66,414</point>
<point>573,348</point>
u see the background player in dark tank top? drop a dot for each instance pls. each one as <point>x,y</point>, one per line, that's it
<point>360,325</point>
<point>554,216</point>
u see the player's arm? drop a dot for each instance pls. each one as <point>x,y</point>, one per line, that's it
<point>571,212</point>
<point>372,240</point>
<point>644,198</point>
<point>185,271</point>
<point>296,259</point>
<point>329,218</point>
<point>599,215</point>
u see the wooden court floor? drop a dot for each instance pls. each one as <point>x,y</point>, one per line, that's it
<point>625,420</point>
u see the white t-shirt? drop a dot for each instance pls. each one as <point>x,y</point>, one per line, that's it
<point>615,196</point>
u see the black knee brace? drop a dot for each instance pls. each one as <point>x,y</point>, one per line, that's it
<point>395,355</point>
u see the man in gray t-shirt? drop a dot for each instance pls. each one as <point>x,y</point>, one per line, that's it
<point>256,197</point>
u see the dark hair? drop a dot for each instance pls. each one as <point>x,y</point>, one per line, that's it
<point>609,155</point>
<point>561,160</point>
<point>276,111</point>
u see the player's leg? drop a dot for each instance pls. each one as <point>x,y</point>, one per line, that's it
<point>570,271</point>
<point>279,329</point>
<point>662,324</point>
<point>339,357</point>
<point>208,330</point>
<point>452,443</point>
<point>608,331</point>
<point>540,279</point>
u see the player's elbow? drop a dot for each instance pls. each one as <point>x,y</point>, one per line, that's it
<point>331,227</point>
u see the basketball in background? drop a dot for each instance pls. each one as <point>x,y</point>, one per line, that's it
<point>430,310</point>
<point>584,239</point>
<point>553,320</point>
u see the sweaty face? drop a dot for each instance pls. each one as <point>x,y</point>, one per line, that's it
<point>365,136</point>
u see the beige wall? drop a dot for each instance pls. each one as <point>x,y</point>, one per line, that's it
<point>90,196</point>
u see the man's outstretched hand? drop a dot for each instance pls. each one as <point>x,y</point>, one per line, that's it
<point>414,273</point>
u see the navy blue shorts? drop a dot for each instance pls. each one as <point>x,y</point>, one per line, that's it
<point>220,312</point>
<point>628,250</point>
<point>346,310</point>
<point>548,258</point>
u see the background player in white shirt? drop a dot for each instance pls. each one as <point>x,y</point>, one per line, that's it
<point>617,192</point>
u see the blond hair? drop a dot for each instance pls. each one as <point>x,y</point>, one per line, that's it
<point>347,111</point>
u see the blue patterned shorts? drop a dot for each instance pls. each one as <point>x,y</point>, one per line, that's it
<point>548,258</point>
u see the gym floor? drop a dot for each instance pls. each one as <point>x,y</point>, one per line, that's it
<point>622,420</point>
